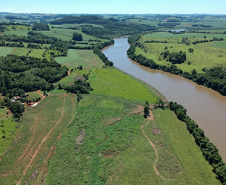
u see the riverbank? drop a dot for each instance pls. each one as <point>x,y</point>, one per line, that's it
<point>203,105</point>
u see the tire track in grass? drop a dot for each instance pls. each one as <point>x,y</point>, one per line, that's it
<point>153,146</point>
<point>40,145</point>
<point>43,172</point>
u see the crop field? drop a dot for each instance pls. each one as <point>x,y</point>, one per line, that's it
<point>66,34</point>
<point>75,58</point>
<point>17,32</point>
<point>112,146</point>
<point>33,96</point>
<point>205,55</point>
<point>111,82</point>
<point>41,127</point>
<point>179,157</point>
<point>74,75</point>
<point>20,51</point>
<point>36,53</point>
<point>4,51</point>
<point>8,129</point>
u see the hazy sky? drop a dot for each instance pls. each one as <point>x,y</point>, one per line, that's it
<point>114,6</point>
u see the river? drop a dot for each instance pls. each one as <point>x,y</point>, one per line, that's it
<point>205,106</point>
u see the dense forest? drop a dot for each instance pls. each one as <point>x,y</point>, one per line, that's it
<point>40,27</point>
<point>23,74</point>
<point>214,78</point>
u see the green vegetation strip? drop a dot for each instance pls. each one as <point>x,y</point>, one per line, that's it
<point>112,82</point>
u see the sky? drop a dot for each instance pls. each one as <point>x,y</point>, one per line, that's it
<point>114,6</point>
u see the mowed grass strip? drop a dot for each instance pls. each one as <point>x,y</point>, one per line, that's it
<point>34,143</point>
<point>112,82</point>
<point>86,58</point>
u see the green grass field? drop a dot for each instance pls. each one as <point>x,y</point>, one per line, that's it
<point>17,32</point>
<point>75,58</point>
<point>34,144</point>
<point>4,51</point>
<point>20,51</point>
<point>33,96</point>
<point>111,82</point>
<point>66,34</point>
<point>108,147</point>
<point>206,55</point>
<point>7,132</point>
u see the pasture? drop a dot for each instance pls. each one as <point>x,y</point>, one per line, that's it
<point>34,144</point>
<point>205,55</point>
<point>4,51</point>
<point>111,146</point>
<point>75,58</point>
<point>112,82</point>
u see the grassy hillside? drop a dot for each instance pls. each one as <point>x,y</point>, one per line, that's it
<point>111,82</point>
<point>75,58</point>
<point>109,147</point>
<point>209,54</point>
<point>41,127</point>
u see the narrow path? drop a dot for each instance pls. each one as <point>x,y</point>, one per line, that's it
<point>13,51</point>
<point>151,117</point>
<point>40,145</point>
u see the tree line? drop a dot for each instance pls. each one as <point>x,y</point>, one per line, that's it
<point>214,78</point>
<point>208,149</point>
<point>97,50</point>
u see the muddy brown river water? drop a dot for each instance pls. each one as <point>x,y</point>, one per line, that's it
<point>205,106</point>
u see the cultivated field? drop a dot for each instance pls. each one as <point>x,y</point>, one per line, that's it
<point>4,51</point>
<point>41,127</point>
<point>112,145</point>
<point>84,58</point>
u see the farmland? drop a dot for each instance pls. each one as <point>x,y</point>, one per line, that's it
<point>35,142</point>
<point>83,58</point>
<point>112,82</point>
<point>100,137</point>
<point>109,147</point>
<point>205,55</point>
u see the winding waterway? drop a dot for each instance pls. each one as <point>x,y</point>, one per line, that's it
<point>205,106</point>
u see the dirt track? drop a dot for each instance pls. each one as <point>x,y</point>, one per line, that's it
<point>41,143</point>
<point>151,117</point>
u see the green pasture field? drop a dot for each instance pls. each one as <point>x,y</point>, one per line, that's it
<point>75,58</point>
<point>112,82</point>
<point>20,51</point>
<point>36,53</point>
<point>141,21</point>
<point>35,141</point>
<point>74,75</point>
<point>17,32</point>
<point>33,96</point>
<point>177,147</point>
<point>4,51</point>
<point>8,131</point>
<point>206,55</point>
<point>108,147</point>
<point>67,34</point>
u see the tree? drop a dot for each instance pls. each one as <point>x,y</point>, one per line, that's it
<point>146,109</point>
<point>77,36</point>
<point>191,50</point>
